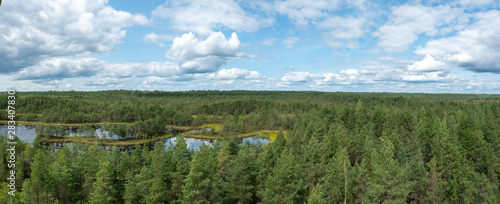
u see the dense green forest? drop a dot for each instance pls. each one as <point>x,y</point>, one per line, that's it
<point>341,148</point>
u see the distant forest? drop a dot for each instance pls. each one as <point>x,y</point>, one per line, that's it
<point>340,148</point>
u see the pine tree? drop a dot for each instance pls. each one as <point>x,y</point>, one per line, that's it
<point>338,178</point>
<point>101,188</point>
<point>224,156</point>
<point>158,189</point>
<point>201,184</point>
<point>59,171</point>
<point>285,182</point>
<point>387,182</point>
<point>181,158</point>
<point>241,177</point>
<point>435,184</point>
<point>37,187</point>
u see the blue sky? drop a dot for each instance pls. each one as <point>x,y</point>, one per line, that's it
<point>325,45</point>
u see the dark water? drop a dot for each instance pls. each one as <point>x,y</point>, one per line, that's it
<point>27,134</point>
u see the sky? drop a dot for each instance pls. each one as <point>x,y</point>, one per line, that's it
<point>426,46</point>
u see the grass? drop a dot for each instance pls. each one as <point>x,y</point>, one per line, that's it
<point>105,142</point>
<point>271,135</point>
<point>215,126</point>
<point>177,127</point>
<point>268,134</point>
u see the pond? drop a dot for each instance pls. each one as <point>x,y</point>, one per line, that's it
<point>27,134</point>
<point>195,143</point>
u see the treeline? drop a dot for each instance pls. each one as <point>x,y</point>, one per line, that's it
<point>387,149</point>
<point>172,108</point>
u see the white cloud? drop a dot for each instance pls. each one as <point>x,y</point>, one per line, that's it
<point>407,22</point>
<point>234,73</point>
<point>322,13</point>
<point>43,29</point>
<point>301,12</point>
<point>291,68</point>
<point>202,56</point>
<point>269,42</point>
<point>60,68</point>
<point>343,27</point>
<point>349,72</point>
<point>125,70</point>
<point>373,75</point>
<point>202,16</point>
<point>428,64</point>
<point>155,39</point>
<point>475,3</point>
<point>290,41</point>
<point>475,48</point>
<point>297,77</point>
<point>107,81</point>
<point>427,77</point>
<point>154,80</point>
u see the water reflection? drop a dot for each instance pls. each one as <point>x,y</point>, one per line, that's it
<point>27,134</point>
<point>192,143</point>
<point>23,132</point>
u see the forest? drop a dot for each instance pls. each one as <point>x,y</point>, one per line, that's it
<point>339,148</point>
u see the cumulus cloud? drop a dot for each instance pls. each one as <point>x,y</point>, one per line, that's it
<point>202,56</point>
<point>125,70</point>
<point>428,77</point>
<point>297,77</point>
<point>343,27</point>
<point>428,64</point>
<point>368,75</point>
<point>202,16</point>
<point>407,22</point>
<point>301,12</point>
<point>155,80</point>
<point>475,48</point>
<point>39,30</point>
<point>339,30</point>
<point>156,39</point>
<point>60,68</point>
<point>290,41</point>
<point>107,81</point>
<point>234,73</point>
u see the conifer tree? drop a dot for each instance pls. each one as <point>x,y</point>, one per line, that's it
<point>101,189</point>
<point>202,183</point>
<point>158,189</point>
<point>285,182</point>
<point>241,178</point>
<point>387,182</point>
<point>181,158</point>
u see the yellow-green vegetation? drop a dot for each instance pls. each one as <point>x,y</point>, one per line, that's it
<point>215,127</point>
<point>177,127</point>
<point>271,135</point>
<point>268,134</point>
<point>102,142</point>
